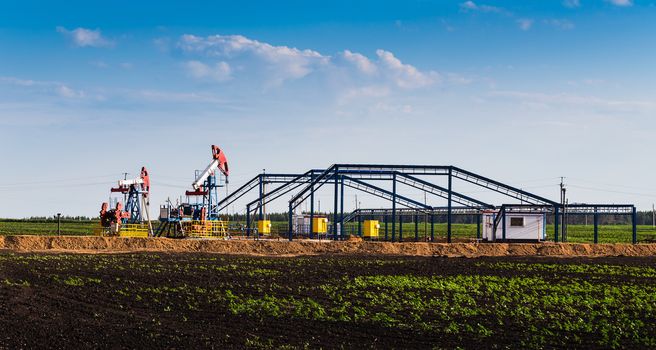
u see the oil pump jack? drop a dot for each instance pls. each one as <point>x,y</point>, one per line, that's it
<point>200,218</point>
<point>134,221</point>
<point>206,185</point>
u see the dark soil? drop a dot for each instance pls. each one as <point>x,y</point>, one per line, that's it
<point>91,301</point>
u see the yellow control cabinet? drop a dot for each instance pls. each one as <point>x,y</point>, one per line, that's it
<point>133,230</point>
<point>264,226</point>
<point>319,225</point>
<point>371,228</point>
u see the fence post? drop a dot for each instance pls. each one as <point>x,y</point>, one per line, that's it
<point>595,220</point>
<point>634,222</point>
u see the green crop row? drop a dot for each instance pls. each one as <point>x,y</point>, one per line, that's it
<point>541,305</point>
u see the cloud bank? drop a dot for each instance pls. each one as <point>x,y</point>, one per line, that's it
<point>278,64</point>
<point>82,37</point>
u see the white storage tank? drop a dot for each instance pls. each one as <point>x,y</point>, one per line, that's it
<point>519,226</point>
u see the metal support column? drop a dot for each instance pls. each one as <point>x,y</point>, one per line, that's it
<point>386,220</point>
<point>556,218</point>
<point>261,212</point>
<point>416,227</point>
<point>478,226</point>
<point>336,203</point>
<point>360,225</point>
<point>432,227</point>
<point>503,223</point>
<point>311,204</point>
<point>634,223</point>
<point>291,231</point>
<point>341,210</point>
<point>401,228</point>
<point>449,208</point>
<point>393,207</point>
<point>248,221</point>
<point>595,223</point>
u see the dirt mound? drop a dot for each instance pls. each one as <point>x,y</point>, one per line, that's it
<point>306,247</point>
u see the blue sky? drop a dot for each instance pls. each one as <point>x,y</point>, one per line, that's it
<point>524,92</point>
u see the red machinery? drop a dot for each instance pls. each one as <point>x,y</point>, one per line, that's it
<point>136,207</point>
<point>143,181</point>
<point>112,217</point>
<point>219,161</point>
<point>202,216</point>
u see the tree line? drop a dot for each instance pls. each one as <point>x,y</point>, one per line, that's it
<point>643,218</point>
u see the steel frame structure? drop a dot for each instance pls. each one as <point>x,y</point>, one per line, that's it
<point>133,205</point>
<point>210,196</point>
<point>355,176</point>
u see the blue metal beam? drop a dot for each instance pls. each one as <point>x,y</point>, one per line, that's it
<point>499,187</point>
<point>440,192</point>
<point>449,204</point>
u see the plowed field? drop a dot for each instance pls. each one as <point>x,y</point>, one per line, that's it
<point>195,300</point>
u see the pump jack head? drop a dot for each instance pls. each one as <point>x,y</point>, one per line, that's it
<point>218,154</point>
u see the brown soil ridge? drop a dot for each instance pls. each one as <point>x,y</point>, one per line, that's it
<point>76,244</point>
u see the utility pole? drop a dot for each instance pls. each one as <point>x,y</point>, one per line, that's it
<point>425,217</point>
<point>58,224</point>
<point>125,196</point>
<point>264,193</point>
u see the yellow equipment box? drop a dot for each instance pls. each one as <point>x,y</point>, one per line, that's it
<point>264,226</point>
<point>133,230</point>
<point>319,225</point>
<point>371,228</point>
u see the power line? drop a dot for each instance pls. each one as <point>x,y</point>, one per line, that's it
<point>23,189</point>
<point>613,191</point>
<point>614,185</point>
<point>57,181</point>
<point>163,184</point>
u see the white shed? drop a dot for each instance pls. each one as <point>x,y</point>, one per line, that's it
<point>519,227</point>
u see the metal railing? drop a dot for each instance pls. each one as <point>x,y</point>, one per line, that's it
<point>208,228</point>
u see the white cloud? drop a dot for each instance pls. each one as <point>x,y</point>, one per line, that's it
<point>544,100</point>
<point>384,107</point>
<point>285,62</point>
<point>469,5</point>
<point>623,3</point>
<point>525,23</point>
<point>220,71</point>
<point>363,63</point>
<point>48,87</point>
<point>364,92</point>
<point>572,3</point>
<point>276,64</point>
<point>177,97</point>
<point>458,79</point>
<point>65,91</point>
<point>405,75</point>
<point>83,37</point>
<point>21,82</point>
<point>562,24</point>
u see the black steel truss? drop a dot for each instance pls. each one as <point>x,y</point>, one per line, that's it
<point>355,176</point>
